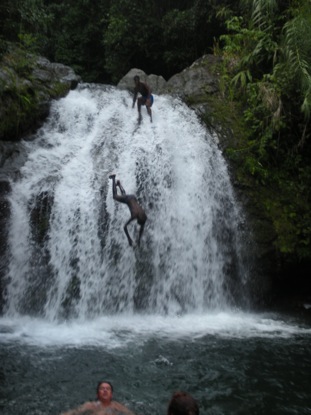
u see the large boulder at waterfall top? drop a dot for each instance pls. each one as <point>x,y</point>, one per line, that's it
<point>192,84</point>
<point>156,82</point>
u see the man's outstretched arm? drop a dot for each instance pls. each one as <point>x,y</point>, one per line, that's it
<point>121,187</point>
<point>119,198</point>
<point>114,186</point>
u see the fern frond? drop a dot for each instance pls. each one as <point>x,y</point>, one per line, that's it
<point>297,57</point>
<point>241,79</point>
<point>306,105</point>
<point>262,13</point>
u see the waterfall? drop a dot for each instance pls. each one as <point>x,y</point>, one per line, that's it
<point>68,254</point>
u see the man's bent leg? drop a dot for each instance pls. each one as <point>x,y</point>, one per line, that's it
<point>126,232</point>
<point>140,233</point>
<point>150,113</point>
<point>139,104</point>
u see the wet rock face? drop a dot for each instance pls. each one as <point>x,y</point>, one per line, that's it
<point>4,219</point>
<point>47,72</point>
<point>10,162</point>
<point>27,86</point>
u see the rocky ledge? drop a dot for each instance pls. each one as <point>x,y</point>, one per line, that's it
<point>28,83</point>
<point>194,84</point>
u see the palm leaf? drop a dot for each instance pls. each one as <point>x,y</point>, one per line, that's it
<point>241,79</point>
<point>297,57</point>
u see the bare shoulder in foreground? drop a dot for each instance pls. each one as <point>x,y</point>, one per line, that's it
<point>182,403</point>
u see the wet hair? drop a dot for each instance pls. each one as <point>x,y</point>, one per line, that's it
<point>182,403</point>
<point>136,78</point>
<point>101,382</point>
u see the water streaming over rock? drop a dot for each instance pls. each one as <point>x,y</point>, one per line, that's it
<point>82,305</point>
<point>69,256</point>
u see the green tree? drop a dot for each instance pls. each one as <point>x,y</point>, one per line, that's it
<point>179,46</point>
<point>24,21</point>
<point>267,60</point>
<point>75,37</point>
<point>293,70</point>
<point>133,37</point>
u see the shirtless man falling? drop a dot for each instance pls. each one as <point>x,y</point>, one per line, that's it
<point>137,212</point>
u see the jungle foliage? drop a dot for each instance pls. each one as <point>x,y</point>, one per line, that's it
<point>267,55</point>
<point>266,71</point>
<point>103,40</point>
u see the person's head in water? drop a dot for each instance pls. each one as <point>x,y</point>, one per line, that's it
<point>182,403</point>
<point>104,392</point>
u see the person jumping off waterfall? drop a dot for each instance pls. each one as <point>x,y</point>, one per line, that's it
<point>145,99</point>
<point>137,212</point>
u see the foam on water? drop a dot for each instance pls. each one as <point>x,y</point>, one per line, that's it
<point>118,331</point>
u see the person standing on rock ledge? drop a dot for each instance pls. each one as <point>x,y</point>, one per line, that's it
<point>146,97</point>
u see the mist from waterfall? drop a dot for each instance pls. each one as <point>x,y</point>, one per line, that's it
<point>69,256</point>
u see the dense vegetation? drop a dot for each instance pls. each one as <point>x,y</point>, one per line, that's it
<point>266,75</point>
<point>267,69</point>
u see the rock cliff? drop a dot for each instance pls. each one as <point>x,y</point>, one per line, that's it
<point>197,85</point>
<point>27,85</point>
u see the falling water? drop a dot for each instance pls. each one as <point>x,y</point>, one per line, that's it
<point>69,256</point>
<point>82,305</point>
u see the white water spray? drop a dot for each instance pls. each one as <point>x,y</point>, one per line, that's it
<point>69,256</point>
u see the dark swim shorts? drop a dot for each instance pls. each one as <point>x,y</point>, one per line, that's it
<point>145,99</point>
